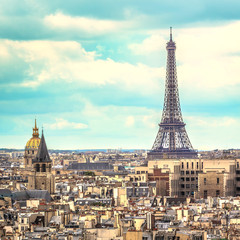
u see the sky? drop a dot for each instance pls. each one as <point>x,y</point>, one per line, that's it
<point>93,72</point>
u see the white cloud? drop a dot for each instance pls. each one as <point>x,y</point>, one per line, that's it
<point>88,25</point>
<point>210,56</point>
<point>68,61</point>
<point>65,124</point>
<point>153,44</point>
<point>209,132</point>
<point>213,122</point>
<point>130,121</point>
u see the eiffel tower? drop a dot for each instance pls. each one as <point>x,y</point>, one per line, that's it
<point>172,140</point>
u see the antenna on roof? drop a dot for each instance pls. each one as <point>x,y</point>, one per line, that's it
<point>170,33</point>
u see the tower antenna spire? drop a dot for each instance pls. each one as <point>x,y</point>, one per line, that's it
<point>172,140</point>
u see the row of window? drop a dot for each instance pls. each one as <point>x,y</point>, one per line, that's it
<point>138,172</point>
<point>189,185</point>
<point>188,179</point>
<point>192,164</point>
<point>189,172</point>
<point>187,193</point>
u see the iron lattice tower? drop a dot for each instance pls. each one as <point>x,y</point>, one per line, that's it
<point>172,140</point>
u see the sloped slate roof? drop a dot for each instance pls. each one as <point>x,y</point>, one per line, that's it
<point>42,154</point>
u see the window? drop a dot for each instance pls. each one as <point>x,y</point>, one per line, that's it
<point>237,164</point>
<point>217,180</point>
<point>32,151</point>
<point>205,181</point>
<point>44,167</point>
<point>187,165</point>
<point>192,179</point>
<point>187,185</point>
<point>202,165</point>
<point>182,185</point>
<point>187,179</point>
<point>187,172</point>
<point>192,165</point>
<point>217,193</point>
<point>182,172</point>
<point>138,172</point>
<point>205,194</point>
<point>192,172</point>
<point>197,165</point>
<point>37,167</point>
<point>182,178</point>
<point>142,171</point>
<point>182,165</point>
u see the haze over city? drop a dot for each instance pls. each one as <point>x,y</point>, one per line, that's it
<point>93,73</point>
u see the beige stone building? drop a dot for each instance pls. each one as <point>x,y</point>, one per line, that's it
<point>189,170</point>
<point>199,177</point>
<point>218,178</point>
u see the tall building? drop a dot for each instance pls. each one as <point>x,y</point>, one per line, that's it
<point>172,140</point>
<point>38,165</point>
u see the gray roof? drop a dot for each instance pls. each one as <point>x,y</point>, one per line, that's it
<point>31,194</point>
<point>5,193</point>
<point>42,154</point>
<point>90,166</point>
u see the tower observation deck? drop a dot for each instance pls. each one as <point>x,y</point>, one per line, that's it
<point>172,140</point>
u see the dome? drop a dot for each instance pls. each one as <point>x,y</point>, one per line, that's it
<point>33,143</point>
<point>35,140</point>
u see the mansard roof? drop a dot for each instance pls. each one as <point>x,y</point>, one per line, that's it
<point>90,166</point>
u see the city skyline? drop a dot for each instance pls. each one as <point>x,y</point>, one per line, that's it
<point>95,79</point>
